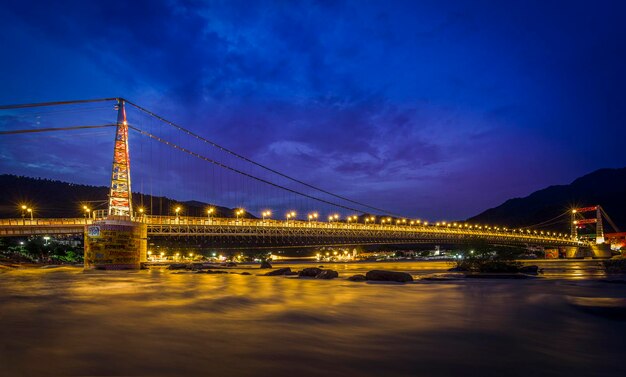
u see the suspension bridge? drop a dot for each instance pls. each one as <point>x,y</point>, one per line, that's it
<point>116,236</point>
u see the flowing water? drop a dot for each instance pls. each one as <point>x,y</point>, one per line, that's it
<point>68,322</point>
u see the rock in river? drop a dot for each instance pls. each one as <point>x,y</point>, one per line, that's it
<point>310,272</point>
<point>177,266</point>
<point>327,274</point>
<point>266,264</point>
<point>357,278</point>
<point>280,271</point>
<point>382,275</point>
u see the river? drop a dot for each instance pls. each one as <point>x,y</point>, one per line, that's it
<point>67,322</point>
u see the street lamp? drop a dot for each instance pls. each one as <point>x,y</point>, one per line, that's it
<point>86,214</point>
<point>265,214</point>
<point>30,210</point>
<point>210,211</point>
<point>313,216</point>
<point>239,212</point>
<point>291,215</point>
<point>177,210</point>
<point>23,210</point>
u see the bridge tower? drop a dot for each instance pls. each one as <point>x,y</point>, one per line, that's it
<point>576,222</point>
<point>119,241</point>
<point>120,196</point>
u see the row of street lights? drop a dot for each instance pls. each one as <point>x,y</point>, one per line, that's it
<point>314,216</point>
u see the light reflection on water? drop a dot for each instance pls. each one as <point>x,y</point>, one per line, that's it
<point>67,322</point>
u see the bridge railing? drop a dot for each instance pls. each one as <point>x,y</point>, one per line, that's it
<point>173,221</point>
<point>45,221</point>
<point>216,221</point>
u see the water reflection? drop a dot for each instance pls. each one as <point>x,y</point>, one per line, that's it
<point>66,322</point>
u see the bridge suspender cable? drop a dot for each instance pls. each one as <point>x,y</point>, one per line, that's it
<point>197,155</point>
<point>73,102</point>
<point>52,129</point>
<point>254,162</point>
<point>547,222</point>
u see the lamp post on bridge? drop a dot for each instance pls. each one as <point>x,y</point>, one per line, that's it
<point>86,213</point>
<point>290,215</point>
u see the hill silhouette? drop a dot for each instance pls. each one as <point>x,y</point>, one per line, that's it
<point>606,187</point>
<point>51,198</point>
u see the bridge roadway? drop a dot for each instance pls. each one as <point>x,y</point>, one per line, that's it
<point>260,233</point>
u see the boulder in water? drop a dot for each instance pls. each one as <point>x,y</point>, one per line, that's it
<point>280,271</point>
<point>382,275</point>
<point>310,272</point>
<point>358,277</point>
<point>266,264</point>
<point>327,274</point>
<point>215,272</point>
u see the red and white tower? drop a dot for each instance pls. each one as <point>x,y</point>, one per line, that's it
<point>580,222</point>
<point>120,198</point>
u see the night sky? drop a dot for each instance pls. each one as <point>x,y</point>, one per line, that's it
<point>437,109</point>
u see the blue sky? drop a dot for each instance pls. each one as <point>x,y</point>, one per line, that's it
<point>433,109</point>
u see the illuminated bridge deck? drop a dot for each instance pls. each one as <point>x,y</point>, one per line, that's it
<point>272,233</point>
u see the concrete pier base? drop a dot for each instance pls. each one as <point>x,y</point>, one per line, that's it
<point>595,251</point>
<point>601,250</point>
<point>115,244</point>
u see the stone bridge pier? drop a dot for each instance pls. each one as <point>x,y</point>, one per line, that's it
<point>115,244</point>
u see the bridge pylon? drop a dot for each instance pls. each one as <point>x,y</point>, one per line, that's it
<point>577,222</point>
<point>117,242</point>
<point>120,196</point>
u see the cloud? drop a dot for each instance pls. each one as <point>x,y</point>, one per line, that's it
<point>424,101</point>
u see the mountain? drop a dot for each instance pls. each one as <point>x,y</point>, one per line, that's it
<point>50,198</point>
<point>606,187</point>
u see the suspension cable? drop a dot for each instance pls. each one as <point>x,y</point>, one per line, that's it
<point>606,216</point>
<point>52,129</point>
<point>57,103</point>
<point>201,157</point>
<point>545,223</point>
<point>180,128</point>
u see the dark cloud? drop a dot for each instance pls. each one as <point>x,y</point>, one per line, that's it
<point>438,109</point>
